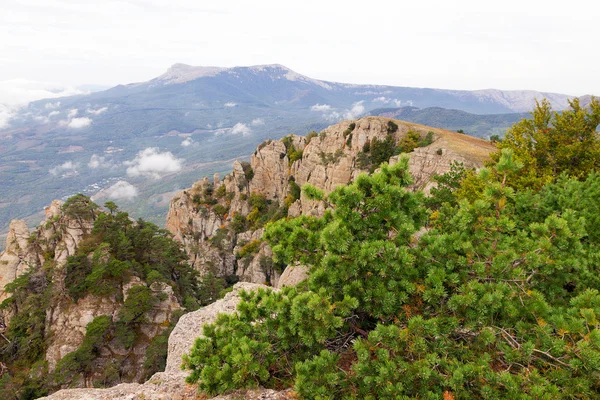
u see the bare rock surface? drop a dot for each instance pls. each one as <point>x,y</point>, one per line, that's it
<point>292,275</point>
<point>170,384</point>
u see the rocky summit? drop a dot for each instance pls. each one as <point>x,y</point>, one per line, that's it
<point>216,220</point>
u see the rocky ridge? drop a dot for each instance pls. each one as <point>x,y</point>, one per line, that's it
<point>206,217</point>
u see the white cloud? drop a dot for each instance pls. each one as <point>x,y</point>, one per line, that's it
<point>68,168</point>
<point>41,118</point>
<point>96,112</point>
<point>77,123</point>
<point>18,93</point>
<point>72,113</point>
<point>151,162</point>
<point>386,100</point>
<point>52,105</point>
<point>99,162</point>
<point>257,122</point>
<point>187,142</point>
<point>230,104</point>
<point>122,190</point>
<point>53,113</point>
<point>357,109</point>
<point>240,129</point>
<point>333,115</point>
<point>321,107</point>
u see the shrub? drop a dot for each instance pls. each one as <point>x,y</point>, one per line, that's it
<point>392,127</point>
<point>248,171</point>
<point>220,210</point>
<point>311,135</point>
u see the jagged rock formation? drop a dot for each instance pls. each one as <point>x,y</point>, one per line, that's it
<point>170,384</point>
<point>48,247</point>
<point>53,241</point>
<point>203,217</point>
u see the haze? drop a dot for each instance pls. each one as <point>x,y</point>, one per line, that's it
<point>539,45</point>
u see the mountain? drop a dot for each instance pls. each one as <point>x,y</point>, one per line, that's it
<point>142,141</point>
<point>480,125</point>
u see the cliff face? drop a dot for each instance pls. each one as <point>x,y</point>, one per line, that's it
<point>206,218</point>
<point>170,384</point>
<point>47,248</point>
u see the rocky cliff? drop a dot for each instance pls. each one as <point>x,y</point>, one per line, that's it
<point>220,221</point>
<point>41,257</point>
<point>170,384</point>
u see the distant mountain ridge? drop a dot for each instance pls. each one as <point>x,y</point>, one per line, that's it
<point>202,117</point>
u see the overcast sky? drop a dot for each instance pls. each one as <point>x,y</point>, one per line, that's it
<point>455,44</point>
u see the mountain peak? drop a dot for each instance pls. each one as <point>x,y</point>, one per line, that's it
<point>180,73</point>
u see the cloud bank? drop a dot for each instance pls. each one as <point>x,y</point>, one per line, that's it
<point>96,112</point>
<point>321,107</point>
<point>240,129</point>
<point>68,168</point>
<point>77,123</point>
<point>97,162</point>
<point>122,190</point>
<point>334,115</point>
<point>386,100</point>
<point>18,93</point>
<point>152,163</point>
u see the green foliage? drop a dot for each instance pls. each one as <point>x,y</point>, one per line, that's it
<point>381,151</point>
<point>80,362</point>
<point>31,294</point>
<point>80,207</point>
<point>294,192</point>
<point>156,352</point>
<point>311,135</point>
<point>292,153</point>
<point>392,127</point>
<point>210,288</point>
<point>263,211</point>
<point>221,192</point>
<point>552,143</point>
<point>139,301</point>
<point>117,250</point>
<point>495,138</point>
<point>447,185</point>
<point>500,298</point>
<point>220,210</point>
<point>248,171</point>
<point>348,131</point>
<point>249,249</point>
<point>411,141</point>
<point>331,158</point>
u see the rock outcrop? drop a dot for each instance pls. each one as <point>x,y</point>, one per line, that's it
<point>47,248</point>
<point>170,384</point>
<point>207,217</point>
